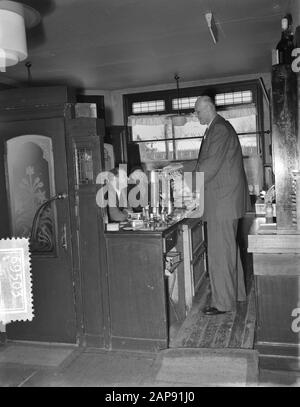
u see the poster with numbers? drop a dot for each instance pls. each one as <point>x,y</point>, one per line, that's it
<point>16,303</point>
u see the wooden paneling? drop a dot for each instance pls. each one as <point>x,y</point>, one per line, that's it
<point>89,244</point>
<point>278,297</point>
<point>274,243</point>
<point>146,304</point>
<point>36,96</point>
<point>136,288</point>
<point>278,336</point>
<point>53,284</point>
<point>284,141</point>
<point>277,355</point>
<point>90,267</point>
<point>36,103</point>
<point>276,252</point>
<point>277,264</point>
<point>84,127</point>
<point>4,218</point>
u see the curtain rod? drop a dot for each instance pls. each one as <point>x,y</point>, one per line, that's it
<point>191,138</point>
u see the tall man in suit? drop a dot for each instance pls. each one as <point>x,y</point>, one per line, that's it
<point>226,199</point>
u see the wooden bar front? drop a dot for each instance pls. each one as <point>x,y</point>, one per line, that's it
<point>276,247</point>
<point>276,264</point>
<point>141,295</point>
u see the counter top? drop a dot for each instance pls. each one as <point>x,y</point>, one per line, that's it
<point>266,238</point>
<point>126,228</point>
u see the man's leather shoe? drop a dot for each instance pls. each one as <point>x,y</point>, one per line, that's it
<point>212,311</point>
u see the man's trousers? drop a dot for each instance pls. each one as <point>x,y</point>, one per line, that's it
<point>224,264</point>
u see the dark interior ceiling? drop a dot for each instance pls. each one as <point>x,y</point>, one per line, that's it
<point>115,44</point>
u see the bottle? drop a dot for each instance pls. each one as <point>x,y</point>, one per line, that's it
<point>285,46</point>
<point>146,212</point>
<point>152,222</point>
<point>269,212</point>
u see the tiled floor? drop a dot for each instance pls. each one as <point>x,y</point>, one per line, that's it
<point>98,368</point>
<point>169,368</point>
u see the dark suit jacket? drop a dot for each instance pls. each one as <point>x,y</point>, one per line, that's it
<point>225,185</point>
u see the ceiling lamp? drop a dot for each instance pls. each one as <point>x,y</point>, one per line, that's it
<point>178,120</point>
<point>14,19</point>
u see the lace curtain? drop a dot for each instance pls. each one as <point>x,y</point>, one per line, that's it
<point>176,120</point>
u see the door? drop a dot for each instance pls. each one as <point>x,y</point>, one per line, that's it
<point>36,170</point>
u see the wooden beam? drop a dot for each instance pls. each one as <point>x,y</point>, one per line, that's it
<point>284,142</point>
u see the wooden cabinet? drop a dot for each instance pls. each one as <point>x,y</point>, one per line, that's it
<point>276,247</point>
<point>34,162</point>
<point>138,310</point>
<point>38,126</point>
<point>85,158</point>
<point>276,264</point>
<point>144,299</point>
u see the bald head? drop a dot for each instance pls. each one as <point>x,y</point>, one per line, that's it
<point>205,109</point>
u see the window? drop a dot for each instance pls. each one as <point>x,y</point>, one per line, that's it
<point>158,137</point>
<point>235,102</point>
<point>221,99</point>
<point>244,123</point>
<point>233,98</point>
<point>149,132</point>
<point>240,103</point>
<point>148,107</point>
<point>188,149</point>
<point>184,103</point>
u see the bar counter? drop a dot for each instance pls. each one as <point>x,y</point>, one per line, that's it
<point>276,263</point>
<point>144,300</point>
